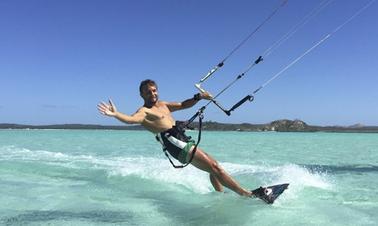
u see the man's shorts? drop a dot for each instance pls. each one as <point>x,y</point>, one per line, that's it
<point>176,143</point>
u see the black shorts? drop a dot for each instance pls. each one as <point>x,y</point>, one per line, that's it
<point>176,143</point>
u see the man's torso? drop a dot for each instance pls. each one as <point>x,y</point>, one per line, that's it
<point>159,125</point>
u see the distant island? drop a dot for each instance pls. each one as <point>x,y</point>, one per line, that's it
<point>284,125</point>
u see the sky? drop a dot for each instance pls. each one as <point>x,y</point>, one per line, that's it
<point>59,59</point>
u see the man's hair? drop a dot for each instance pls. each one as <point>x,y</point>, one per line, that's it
<point>147,82</point>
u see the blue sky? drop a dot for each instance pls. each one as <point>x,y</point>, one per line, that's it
<point>60,58</point>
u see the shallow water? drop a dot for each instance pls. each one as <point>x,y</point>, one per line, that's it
<point>98,177</point>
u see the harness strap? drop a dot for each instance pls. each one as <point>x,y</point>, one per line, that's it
<point>158,137</point>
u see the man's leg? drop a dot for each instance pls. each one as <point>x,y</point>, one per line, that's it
<point>216,183</point>
<point>203,161</point>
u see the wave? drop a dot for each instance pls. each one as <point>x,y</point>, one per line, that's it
<point>287,173</point>
<point>159,169</point>
<point>352,168</point>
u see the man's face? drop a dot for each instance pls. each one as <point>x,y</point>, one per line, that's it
<point>150,94</point>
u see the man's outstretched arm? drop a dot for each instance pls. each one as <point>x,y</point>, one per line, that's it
<point>111,111</point>
<point>175,106</point>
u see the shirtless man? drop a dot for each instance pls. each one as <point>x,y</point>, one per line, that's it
<point>156,117</point>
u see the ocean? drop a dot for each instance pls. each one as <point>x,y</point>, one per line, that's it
<point>105,177</point>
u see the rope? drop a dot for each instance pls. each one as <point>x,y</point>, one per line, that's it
<point>316,45</point>
<point>219,65</point>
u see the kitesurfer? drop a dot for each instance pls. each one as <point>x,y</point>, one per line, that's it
<point>156,116</point>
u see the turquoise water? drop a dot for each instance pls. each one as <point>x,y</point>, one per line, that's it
<point>74,177</point>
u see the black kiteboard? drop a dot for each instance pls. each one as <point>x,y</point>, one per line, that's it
<point>271,193</point>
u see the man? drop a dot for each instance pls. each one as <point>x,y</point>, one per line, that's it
<point>156,117</point>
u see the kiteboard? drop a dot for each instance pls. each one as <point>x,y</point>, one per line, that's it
<point>270,193</point>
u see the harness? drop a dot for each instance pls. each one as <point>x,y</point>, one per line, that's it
<point>178,131</point>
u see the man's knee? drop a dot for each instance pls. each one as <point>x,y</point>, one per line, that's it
<point>216,169</point>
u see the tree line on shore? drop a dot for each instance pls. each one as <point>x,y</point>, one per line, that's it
<point>284,125</point>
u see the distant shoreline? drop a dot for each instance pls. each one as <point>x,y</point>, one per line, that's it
<point>278,126</point>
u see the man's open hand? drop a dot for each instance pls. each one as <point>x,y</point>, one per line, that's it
<point>107,109</point>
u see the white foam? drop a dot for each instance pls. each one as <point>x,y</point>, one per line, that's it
<point>15,153</point>
<point>240,169</point>
<point>297,176</point>
<point>301,177</point>
<point>289,173</point>
<point>159,169</point>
